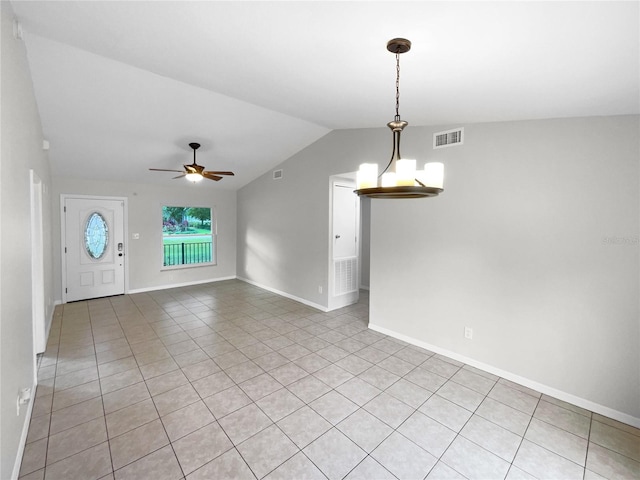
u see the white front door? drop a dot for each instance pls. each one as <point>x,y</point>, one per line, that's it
<point>94,247</point>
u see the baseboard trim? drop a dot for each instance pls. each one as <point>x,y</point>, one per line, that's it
<point>50,322</point>
<point>285,294</point>
<point>132,291</point>
<point>23,437</point>
<point>547,390</point>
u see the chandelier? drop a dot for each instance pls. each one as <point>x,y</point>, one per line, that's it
<point>399,179</point>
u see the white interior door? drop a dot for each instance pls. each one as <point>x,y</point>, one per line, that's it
<point>344,221</point>
<point>345,244</point>
<point>94,247</point>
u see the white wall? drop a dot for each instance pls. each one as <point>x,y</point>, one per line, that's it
<point>533,244</point>
<point>145,217</point>
<point>283,225</point>
<point>21,151</point>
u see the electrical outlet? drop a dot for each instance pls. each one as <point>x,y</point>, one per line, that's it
<point>319,288</point>
<point>468,333</point>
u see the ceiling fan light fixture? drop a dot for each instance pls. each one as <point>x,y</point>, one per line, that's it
<point>400,178</point>
<point>193,177</point>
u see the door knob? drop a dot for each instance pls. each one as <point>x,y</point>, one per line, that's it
<point>337,236</point>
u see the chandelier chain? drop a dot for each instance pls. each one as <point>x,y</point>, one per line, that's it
<point>397,86</point>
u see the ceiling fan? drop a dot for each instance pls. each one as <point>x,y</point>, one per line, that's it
<point>194,172</point>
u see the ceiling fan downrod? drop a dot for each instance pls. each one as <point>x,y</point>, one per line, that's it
<point>195,147</point>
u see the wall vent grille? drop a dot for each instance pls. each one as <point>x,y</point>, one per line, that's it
<point>448,138</point>
<point>345,275</point>
<point>277,174</point>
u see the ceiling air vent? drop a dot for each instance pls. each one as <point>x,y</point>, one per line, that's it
<point>277,174</point>
<point>448,138</point>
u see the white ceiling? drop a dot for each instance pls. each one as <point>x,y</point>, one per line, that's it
<point>124,86</point>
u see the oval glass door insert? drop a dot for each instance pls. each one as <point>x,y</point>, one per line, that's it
<point>96,236</point>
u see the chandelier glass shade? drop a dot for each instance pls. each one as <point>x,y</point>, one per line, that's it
<point>400,178</point>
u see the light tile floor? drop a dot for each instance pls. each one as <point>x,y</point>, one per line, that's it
<point>227,380</point>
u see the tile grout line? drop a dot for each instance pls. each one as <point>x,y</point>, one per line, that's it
<point>458,433</point>
<point>102,396</point>
<point>515,455</point>
<point>158,413</point>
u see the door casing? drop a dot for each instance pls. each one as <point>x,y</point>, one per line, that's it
<point>37,265</point>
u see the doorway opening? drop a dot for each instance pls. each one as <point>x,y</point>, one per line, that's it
<point>344,242</point>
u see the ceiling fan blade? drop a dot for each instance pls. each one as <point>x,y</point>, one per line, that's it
<point>211,177</point>
<point>219,173</point>
<point>164,170</point>
<point>179,176</point>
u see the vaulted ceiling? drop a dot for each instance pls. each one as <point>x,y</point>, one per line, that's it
<point>124,86</point>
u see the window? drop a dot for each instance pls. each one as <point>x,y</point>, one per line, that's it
<point>188,237</point>
<point>96,236</point>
